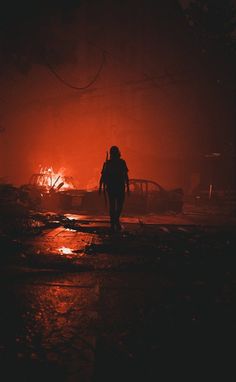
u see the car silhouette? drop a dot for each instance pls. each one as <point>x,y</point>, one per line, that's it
<point>145,196</point>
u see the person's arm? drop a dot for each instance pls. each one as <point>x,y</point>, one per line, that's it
<point>126,178</point>
<point>101,181</point>
<point>100,185</point>
<point>127,183</point>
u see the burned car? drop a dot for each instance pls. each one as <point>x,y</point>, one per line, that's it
<point>47,190</point>
<point>146,196</point>
<point>149,196</point>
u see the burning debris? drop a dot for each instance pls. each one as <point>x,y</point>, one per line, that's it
<point>49,180</point>
<point>47,189</point>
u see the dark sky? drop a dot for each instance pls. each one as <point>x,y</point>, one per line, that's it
<point>131,77</point>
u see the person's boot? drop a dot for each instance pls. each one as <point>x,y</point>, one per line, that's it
<point>113,227</point>
<point>118,225</point>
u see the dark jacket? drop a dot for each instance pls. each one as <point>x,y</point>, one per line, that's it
<point>115,175</point>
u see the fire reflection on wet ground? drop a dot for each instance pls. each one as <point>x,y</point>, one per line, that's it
<point>66,242</point>
<point>49,322</point>
<point>154,295</point>
<point>65,251</point>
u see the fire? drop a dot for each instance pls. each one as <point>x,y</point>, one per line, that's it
<point>53,180</point>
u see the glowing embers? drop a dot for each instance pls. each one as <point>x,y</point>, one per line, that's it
<point>65,251</point>
<point>51,180</point>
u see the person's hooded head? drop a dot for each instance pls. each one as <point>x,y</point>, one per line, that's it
<point>114,152</point>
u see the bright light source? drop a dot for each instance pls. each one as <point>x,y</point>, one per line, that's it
<point>65,251</point>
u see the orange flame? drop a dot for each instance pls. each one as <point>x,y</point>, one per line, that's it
<point>56,180</point>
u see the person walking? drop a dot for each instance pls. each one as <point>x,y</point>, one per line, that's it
<point>114,181</point>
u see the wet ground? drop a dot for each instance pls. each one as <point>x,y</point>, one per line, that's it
<point>153,303</point>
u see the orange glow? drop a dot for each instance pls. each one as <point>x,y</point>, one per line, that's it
<point>49,179</point>
<point>156,116</point>
<point>65,251</point>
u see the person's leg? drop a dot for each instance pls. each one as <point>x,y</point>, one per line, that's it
<point>112,209</point>
<point>119,206</point>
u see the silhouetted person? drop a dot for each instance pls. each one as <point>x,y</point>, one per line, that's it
<point>114,178</point>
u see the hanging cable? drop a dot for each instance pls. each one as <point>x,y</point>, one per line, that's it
<point>53,71</point>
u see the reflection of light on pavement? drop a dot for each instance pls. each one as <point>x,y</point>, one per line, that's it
<point>71,230</point>
<point>71,216</point>
<point>76,217</point>
<point>65,251</point>
<point>55,314</point>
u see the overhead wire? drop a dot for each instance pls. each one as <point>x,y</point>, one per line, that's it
<point>146,77</point>
<point>90,83</point>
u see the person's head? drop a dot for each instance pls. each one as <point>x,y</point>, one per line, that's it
<point>114,152</point>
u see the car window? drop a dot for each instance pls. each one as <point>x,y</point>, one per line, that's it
<point>152,187</point>
<point>137,187</point>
